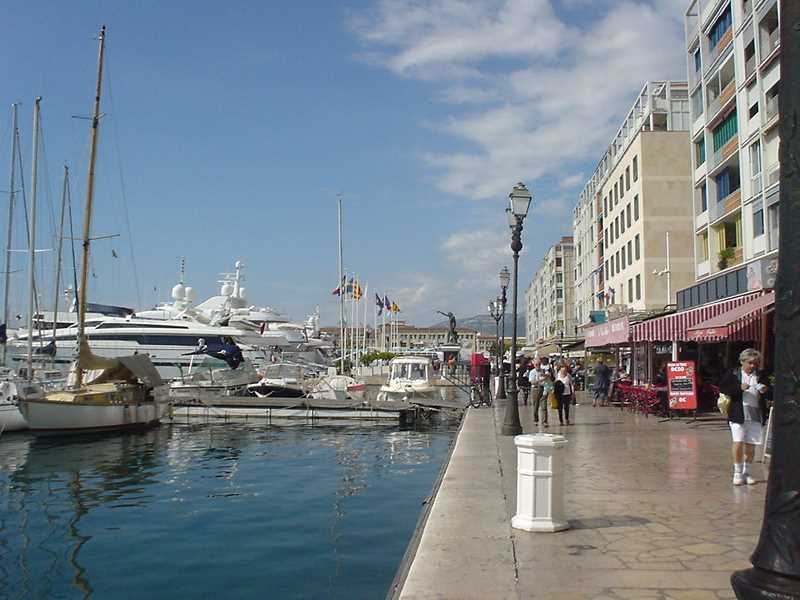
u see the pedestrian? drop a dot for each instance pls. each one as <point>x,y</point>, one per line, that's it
<point>747,412</point>
<point>564,390</point>
<point>541,388</point>
<point>523,384</point>
<point>602,380</point>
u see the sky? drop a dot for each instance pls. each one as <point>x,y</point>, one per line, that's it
<point>229,129</point>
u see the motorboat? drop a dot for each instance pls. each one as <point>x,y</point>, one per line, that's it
<point>410,379</point>
<point>214,378</point>
<point>281,380</point>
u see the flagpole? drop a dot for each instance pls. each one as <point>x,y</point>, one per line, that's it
<point>366,303</point>
<point>341,285</point>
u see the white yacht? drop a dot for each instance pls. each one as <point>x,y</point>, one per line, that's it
<point>410,379</point>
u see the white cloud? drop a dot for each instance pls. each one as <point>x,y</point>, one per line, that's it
<point>531,95</point>
<point>573,180</point>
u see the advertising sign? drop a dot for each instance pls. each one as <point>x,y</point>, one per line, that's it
<point>612,332</point>
<point>682,385</point>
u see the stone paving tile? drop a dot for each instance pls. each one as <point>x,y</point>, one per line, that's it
<point>650,505</point>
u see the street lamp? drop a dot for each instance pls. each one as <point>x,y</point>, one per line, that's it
<point>519,202</point>
<point>497,310</point>
<point>505,279</point>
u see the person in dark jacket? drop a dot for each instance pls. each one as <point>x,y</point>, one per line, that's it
<point>565,390</point>
<point>747,413</point>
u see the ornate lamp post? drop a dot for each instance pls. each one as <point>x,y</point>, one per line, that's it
<point>520,201</point>
<point>776,559</point>
<point>496,311</point>
<point>505,279</point>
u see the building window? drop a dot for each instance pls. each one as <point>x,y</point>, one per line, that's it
<point>700,151</point>
<point>703,198</point>
<point>605,205</point>
<point>622,222</point>
<point>558,262</point>
<point>616,194</point>
<point>630,252</point>
<point>623,257</point>
<point>616,227</point>
<point>725,131</point>
<point>758,219</point>
<point>606,263</point>
<point>638,287</point>
<point>636,247</point>
<point>559,293</point>
<point>628,214</point>
<point>630,290</point>
<point>621,187</point>
<point>635,168</point>
<point>755,168</point>
<point>702,243</point>
<point>636,207</point>
<point>627,178</point>
<point>616,260</point>
<point>697,60</point>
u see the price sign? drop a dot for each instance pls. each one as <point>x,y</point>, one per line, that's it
<point>682,384</point>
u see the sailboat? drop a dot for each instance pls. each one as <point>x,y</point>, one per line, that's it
<point>100,393</point>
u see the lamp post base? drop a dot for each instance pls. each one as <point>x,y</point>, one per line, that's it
<point>511,424</point>
<point>501,388</point>
<point>758,584</point>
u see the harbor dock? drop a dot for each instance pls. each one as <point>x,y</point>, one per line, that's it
<point>651,508</point>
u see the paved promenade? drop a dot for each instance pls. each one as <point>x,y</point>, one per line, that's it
<point>651,505</point>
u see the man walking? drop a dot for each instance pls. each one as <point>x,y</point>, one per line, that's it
<point>602,381</point>
<point>538,399</point>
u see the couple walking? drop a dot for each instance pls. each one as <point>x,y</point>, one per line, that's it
<point>558,391</point>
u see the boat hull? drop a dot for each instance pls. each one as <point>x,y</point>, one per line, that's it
<point>11,418</point>
<point>48,416</point>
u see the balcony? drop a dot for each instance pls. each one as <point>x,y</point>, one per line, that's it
<point>770,109</point>
<point>727,150</point>
<point>736,260</point>
<point>721,45</point>
<point>732,201</point>
<point>769,42</point>
<point>773,174</point>
<point>722,98</point>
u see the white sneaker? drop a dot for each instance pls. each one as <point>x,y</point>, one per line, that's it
<point>749,479</point>
<point>738,479</point>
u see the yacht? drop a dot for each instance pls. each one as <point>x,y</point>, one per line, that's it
<point>410,379</point>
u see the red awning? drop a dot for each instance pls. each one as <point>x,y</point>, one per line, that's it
<point>674,327</point>
<point>739,323</point>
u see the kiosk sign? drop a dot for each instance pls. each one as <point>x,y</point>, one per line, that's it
<point>682,384</point>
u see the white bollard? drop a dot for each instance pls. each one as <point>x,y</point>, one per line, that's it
<point>540,483</point>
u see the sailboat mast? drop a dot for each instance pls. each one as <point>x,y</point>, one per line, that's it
<point>87,218</point>
<point>341,286</point>
<point>64,192</point>
<point>12,192</point>
<point>32,235</point>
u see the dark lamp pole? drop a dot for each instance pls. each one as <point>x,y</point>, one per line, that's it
<point>505,279</point>
<point>776,559</point>
<point>496,309</point>
<point>520,201</point>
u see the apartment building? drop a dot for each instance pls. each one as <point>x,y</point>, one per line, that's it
<point>549,298</point>
<point>639,193</point>
<point>733,63</point>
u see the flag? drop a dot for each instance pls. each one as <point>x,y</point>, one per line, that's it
<point>114,253</point>
<point>357,292</point>
<point>339,289</point>
<point>386,304</point>
<point>395,308</point>
<point>379,304</point>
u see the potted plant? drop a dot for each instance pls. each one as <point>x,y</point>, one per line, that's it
<point>724,256</point>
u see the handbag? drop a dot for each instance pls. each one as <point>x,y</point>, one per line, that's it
<point>724,404</point>
<point>553,400</point>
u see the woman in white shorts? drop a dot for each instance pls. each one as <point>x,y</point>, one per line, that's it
<point>747,413</point>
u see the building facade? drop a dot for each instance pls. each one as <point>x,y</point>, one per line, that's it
<point>733,63</point>
<point>549,299</point>
<point>638,197</point>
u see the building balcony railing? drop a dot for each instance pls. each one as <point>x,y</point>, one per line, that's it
<point>773,174</point>
<point>737,259</point>
<point>721,45</point>
<point>722,98</point>
<point>732,201</point>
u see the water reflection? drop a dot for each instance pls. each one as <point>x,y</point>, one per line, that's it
<point>82,517</point>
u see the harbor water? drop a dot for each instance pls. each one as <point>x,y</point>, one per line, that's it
<point>214,510</point>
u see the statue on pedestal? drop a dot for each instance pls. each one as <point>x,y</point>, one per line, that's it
<point>452,336</point>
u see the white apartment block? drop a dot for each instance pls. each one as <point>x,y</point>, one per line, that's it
<point>639,192</point>
<point>733,52</point>
<point>549,299</point>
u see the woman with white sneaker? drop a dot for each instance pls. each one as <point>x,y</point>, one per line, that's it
<point>747,412</point>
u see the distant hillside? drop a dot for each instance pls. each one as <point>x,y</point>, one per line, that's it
<point>485,324</point>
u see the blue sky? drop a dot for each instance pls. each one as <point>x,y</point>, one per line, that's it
<point>234,125</point>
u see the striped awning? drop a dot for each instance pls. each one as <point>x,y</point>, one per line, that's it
<point>740,323</point>
<point>675,327</point>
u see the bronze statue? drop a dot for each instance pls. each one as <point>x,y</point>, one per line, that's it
<point>452,336</point>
